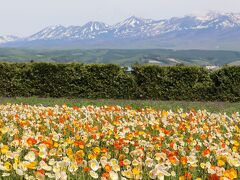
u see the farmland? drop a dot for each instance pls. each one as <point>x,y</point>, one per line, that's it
<point>123,56</point>
<point>114,142</point>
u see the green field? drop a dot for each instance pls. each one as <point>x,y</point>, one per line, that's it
<point>218,107</point>
<point>124,57</point>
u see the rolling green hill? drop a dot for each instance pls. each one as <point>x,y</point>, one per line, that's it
<point>124,57</point>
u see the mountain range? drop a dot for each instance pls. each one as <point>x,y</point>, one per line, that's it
<point>215,31</point>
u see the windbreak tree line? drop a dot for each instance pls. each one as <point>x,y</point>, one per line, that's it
<point>75,80</point>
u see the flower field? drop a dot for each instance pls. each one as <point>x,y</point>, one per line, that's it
<point>112,142</point>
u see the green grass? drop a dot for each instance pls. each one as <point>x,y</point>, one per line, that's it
<point>218,107</point>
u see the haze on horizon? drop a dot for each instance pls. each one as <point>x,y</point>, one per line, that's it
<point>25,17</point>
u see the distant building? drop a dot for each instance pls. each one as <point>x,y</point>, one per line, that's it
<point>212,67</point>
<point>128,69</point>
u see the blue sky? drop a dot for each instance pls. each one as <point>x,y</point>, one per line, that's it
<point>24,17</point>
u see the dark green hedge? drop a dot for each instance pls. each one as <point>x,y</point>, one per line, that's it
<point>172,83</point>
<point>65,80</point>
<point>74,80</point>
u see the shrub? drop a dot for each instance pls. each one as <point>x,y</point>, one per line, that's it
<point>75,80</point>
<point>172,83</point>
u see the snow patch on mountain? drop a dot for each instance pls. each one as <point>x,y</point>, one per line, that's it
<point>8,38</point>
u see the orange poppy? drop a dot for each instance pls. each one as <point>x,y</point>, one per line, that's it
<point>107,168</point>
<point>184,160</point>
<point>31,141</point>
<point>106,175</point>
<point>206,152</point>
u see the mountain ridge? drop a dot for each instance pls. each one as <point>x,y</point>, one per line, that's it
<point>211,31</point>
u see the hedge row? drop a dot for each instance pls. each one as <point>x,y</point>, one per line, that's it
<point>76,80</point>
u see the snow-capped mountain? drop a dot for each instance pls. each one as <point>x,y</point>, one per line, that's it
<point>132,27</point>
<point>91,30</point>
<point>8,38</point>
<point>49,33</point>
<point>217,30</point>
<point>139,27</point>
<point>88,31</point>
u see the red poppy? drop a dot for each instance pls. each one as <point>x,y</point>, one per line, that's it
<point>213,177</point>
